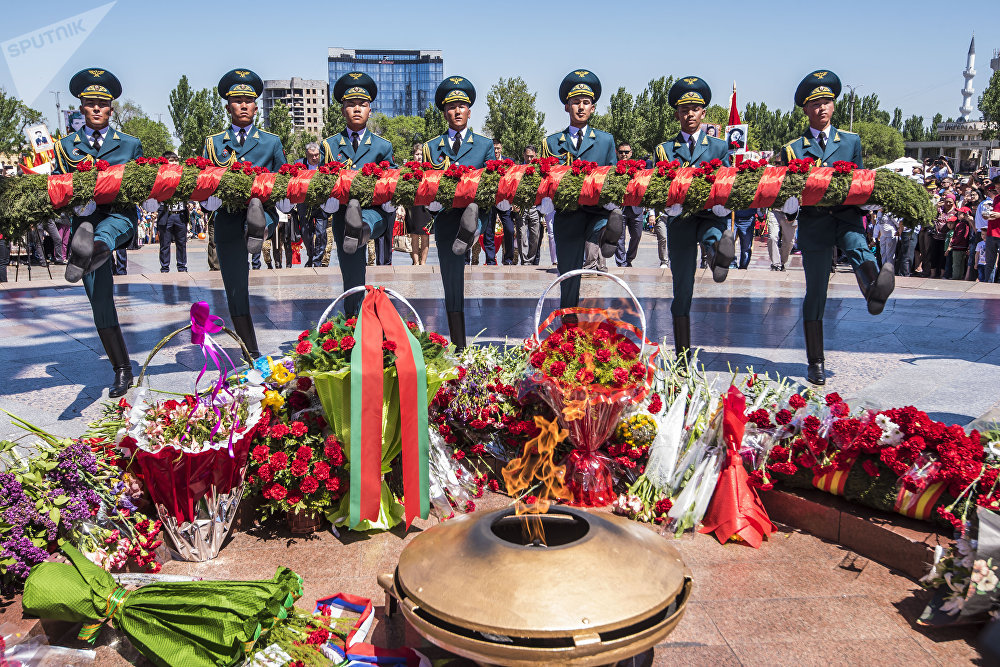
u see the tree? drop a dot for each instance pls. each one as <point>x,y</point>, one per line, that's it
<point>512,118</point>
<point>434,123</point>
<point>655,121</point>
<point>15,115</point>
<point>205,116</point>
<point>989,106</point>
<point>154,135</point>
<point>932,131</point>
<point>178,104</point>
<point>880,144</point>
<point>401,131</point>
<point>866,110</point>
<point>913,128</point>
<point>124,111</point>
<point>620,118</point>
<point>279,122</point>
<point>297,149</point>
<point>333,121</point>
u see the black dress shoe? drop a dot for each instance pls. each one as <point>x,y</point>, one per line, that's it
<point>256,226</point>
<point>725,253</point>
<point>876,286</point>
<point>612,233</point>
<point>356,234</point>
<point>114,345</point>
<point>815,373</point>
<point>467,228</point>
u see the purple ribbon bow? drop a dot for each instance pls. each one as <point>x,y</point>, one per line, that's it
<point>203,325</point>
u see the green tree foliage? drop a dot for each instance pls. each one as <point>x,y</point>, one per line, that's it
<point>913,128</point>
<point>932,131</point>
<point>989,106</point>
<point>205,116</point>
<point>866,110</point>
<point>880,143</point>
<point>333,121</point>
<point>15,115</point>
<point>402,132</point>
<point>619,119</point>
<point>297,149</point>
<point>512,118</point>
<point>279,122</point>
<point>655,120</point>
<point>897,119</point>
<point>177,105</point>
<point>154,135</point>
<point>434,122</point>
<point>125,111</point>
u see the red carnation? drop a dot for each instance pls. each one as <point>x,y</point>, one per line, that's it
<point>276,492</point>
<point>351,321</point>
<point>279,460</point>
<point>303,384</point>
<point>389,346</point>
<point>470,506</point>
<point>329,345</point>
<point>321,470</point>
<point>583,376</point>
<point>538,359</point>
<point>279,431</point>
<point>557,368</point>
<point>265,473</point>
<point>833,397</point>
<point>326,327</point>
<point>568,348</point>
<point>260,453</point>
<point>298,401</point>
<point>796,401</point>
<point>304,347</point>
<point>308,484</point>
<point>637,371</point>
<point>346,343</point>
<point>493,486</point>
<point>299,468</point>
<point>293,499</point>
<point>332,485</point>
<point>620,376</point>
<point>298,430</point>
<point>664,505</point>
<point>304,335</point>
<point>627,349</point>
<point>303,453</point>
<point>603,356</point>
<point>840,409</point>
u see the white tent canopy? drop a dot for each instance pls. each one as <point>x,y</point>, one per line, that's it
<point>903,165</point>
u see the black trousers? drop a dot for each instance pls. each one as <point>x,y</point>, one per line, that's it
<point>175,233</point>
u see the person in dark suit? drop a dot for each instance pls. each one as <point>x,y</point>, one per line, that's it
<point>824,228</point>
<point>506,216</point>
<point>172,227</point>
<point>455,230</point>
<point>99,230</point>
<point>311,224</point>
<point>573,230</point>
<point>633,220</point>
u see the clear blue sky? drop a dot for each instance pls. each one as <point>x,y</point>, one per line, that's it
<point>910,53</point>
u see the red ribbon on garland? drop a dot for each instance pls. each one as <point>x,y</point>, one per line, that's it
<point>549,184</point>
<point>60,189</point>
<point>385,187</point>
<point>816,185</point>
<point>342,188</point>
<point>298,185</point>
<point>108,183</point>
<point>208,181</point>
<point>428,188</point>
<point>262,186</point>
<point>679,186</point>
<point>862,185</point>
<point>725,177</point>
<point>636,188</point>
<point>768,187</point>
<point>168,177</point>
<point>593,183</point>
<point>465,189</point>
<point>507,187</point>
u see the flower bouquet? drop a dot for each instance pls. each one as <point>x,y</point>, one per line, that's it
<point>191,453</point>
<point>374,376</point>
<point>589,373</point>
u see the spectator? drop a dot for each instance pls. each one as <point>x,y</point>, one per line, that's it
<point>507,220</point>
<point>908,235</point>
<point>746,219</point>
<point>634,216</point>
<point>48,228</point>
<point>992,237</point>
<point>660,229</point>
<point>917,173</point>
<point>887,236</point>
<point>780,238</point>
<point>961,237</point>
<point>529,224</point>
<point>280,243</point>
<point>941,168</point>
<point>311,224</point>
<point>4,258</point>
<point>418,222</point>
<point>981,257</point>
<point>938,235</point>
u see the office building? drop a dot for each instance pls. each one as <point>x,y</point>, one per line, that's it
<point>406,80</point>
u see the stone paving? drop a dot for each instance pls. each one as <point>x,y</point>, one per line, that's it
<point>798,600</point>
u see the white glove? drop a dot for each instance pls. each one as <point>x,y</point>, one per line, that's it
<point>150,205</point>
<point>331,205</point>
<point>674,210</point>
<point>546,206</point>
<point>720,210</point>
<point>84,210</point>
<point>610,207</point>
<point>213,203</point>
<point>791,206</point>
<point>503,205</point>
<point>870,207</point>
<point>389,207</point>
<point>284,205</point>
<point>434,207</point>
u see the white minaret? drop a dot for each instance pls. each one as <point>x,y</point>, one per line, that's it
<point>967,92</point>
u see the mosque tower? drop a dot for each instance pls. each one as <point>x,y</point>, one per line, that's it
<point>967,92</point>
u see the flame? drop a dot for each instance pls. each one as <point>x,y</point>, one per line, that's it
<point>574,410</point>
<point>537,467</point>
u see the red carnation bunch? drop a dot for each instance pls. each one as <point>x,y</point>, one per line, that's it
<point>199,162</point>
<point>800,166</point>
<point>330,167</point>
<point>457,170</point>
<point>590,354</point>
<point>583,167</point>
<point>844,167</point>
<point>499,166</point>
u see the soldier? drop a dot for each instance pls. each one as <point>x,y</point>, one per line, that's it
<point>239,233</point>
<point>821,228</point>
<point>574,230</point>
<point>689,96</point>
<point>355,147</point>
<point>455,230</point>
<point>99,230</point>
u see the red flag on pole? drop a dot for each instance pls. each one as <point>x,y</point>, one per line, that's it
<point>734,112</point>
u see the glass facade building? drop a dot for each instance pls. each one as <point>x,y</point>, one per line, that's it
<point>406,80</point>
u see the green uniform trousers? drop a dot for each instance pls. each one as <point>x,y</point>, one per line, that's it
<point>114,230</point>
<point>352,267</point>
<point>446,226</point>
<point>571,231</point>
<point>684,233</point>
<point>820,230</point>
<point>231,248</point>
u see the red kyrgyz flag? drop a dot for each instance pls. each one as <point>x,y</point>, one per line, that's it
<point>734,112</point>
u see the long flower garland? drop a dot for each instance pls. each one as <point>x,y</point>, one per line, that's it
<point>26,200</point>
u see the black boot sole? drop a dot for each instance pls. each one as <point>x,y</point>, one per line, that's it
<point>612,233</point>
<point>354,228</point>
<point>81,249</point>
<point>879,292</point>
<point>466,230</point>
<point>256,226</point>
<point>725,253</point>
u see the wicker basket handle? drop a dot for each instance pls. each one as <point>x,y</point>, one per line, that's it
<point>159,346</point>
<point>363,288</point>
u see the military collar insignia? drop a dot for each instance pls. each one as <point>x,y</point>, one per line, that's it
<point>342,142</point>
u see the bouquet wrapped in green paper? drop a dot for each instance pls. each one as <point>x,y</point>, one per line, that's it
<point>171,623</point>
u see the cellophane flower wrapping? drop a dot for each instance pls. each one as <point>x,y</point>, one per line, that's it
<point>589,373</point>
<point>195,481</point>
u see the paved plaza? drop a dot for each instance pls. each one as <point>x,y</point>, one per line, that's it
<point>798,600</point>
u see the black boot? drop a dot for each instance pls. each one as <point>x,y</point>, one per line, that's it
<point>682,339</point>
<point>243,325</point>
<point>612,233</point>
<point>725,253</point>
<point>456,327</point>
<point>815,374</point>
<point>85,254</point>
<point>466,231</point>
<point>114,345</point>
<point>256,226</point>
<point>356,233</point>
<point>876,286</point>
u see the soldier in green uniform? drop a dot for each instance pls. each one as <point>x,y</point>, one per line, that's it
<point>572,230</point>
<point>821,228</point>
<point>355,147</point>
<point>239,233</point>
<point>689,96</point>
<point>457,229</point>
<point>99,230</point>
